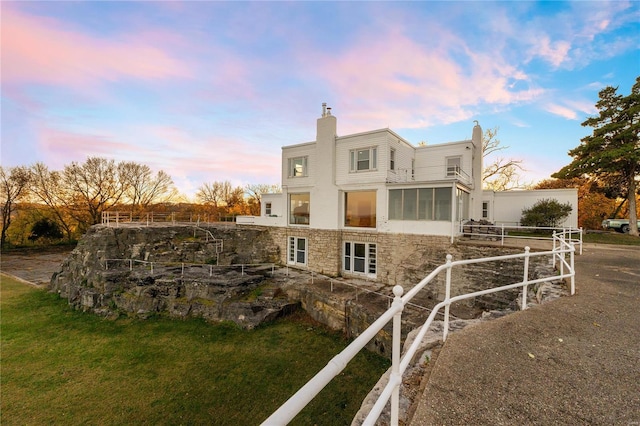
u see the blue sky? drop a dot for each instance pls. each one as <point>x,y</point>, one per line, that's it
<point>210,91</point>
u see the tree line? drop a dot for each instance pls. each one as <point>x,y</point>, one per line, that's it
<point>39,204</point>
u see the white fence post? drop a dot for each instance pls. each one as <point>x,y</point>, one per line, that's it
<point>525,278</point>
<point>581,241</point>
<point>395,355</point>
<point>554,237</point>
<point>573,269</point>
<point>447,296</point>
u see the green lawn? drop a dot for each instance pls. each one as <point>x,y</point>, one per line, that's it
<point>611,238</point>
<point>66,367</point>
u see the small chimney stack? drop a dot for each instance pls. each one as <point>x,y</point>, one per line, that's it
<point>324,109</point>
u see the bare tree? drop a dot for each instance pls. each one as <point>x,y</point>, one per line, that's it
<point>143,187</point>
<point>233,198</point>
<point>211,194</point>
<point>500,174</point>
<point>95,186</point>
<point>222,197</point>
<point>46,187</point>
<point>14,184</point>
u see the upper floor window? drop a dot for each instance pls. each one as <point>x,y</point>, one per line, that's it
<point>392,159</point>
<point>363,159</point>
<point>299,209</point>
<point>298,167</point>
<point>453,166</point>
<point>420,204</point>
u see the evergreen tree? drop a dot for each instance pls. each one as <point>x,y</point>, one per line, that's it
<point>612,152</point>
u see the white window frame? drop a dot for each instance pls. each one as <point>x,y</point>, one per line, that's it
<point>298,167</point>
<point>392,159</point>
<point>435,202</point>
<point>485,210</point>
<point>368,261</point>
<point>297,253</point>
<point>290,213</point>
<point>454,166</point>
<point>267,209</point>
<point>355,165</point>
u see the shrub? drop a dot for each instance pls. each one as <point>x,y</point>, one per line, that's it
<point>547,212</point>
<point>45,229</point>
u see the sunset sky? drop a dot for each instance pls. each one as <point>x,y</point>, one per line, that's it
<point>210,91</point>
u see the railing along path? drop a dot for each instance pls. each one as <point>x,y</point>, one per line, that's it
<point>504,231</point>
<point>563,245</point>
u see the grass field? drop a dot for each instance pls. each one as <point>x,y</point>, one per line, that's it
<point>66,367</point>
<point>611,238</point>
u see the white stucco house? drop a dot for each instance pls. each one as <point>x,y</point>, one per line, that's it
<point>351,193</point>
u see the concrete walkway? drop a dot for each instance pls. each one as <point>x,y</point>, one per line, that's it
<point>573,361</point>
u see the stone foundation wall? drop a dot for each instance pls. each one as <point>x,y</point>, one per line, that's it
<point>394,251</point>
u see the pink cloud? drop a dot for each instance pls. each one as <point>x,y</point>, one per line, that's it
<point>190,160</point>
<point>44,50</point>
<point>61,147</point>
<point>562,111</point>
<point>392,80</point>
<point>555,53</point>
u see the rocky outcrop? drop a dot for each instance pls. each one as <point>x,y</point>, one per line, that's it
<point>178,270</point>
<point>225,273</point>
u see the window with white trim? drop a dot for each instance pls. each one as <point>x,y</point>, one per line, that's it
<point>364,159</point>
<point>453,166</point>
<point>297,251</point>
<point>298,167</point>
<point>267,209</point>
<point>485,209</point>
<point>360,209</point>
<point>299,208</point>
<point>392,159</point>
<point>420,204</point>
<point>359,258</point>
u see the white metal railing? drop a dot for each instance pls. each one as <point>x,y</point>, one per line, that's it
<point>358,289</point>
<point>208,236</point>
<point>503,232</point>
<point>186,267</point>
<point>116,218</point>
<point>562,247</point>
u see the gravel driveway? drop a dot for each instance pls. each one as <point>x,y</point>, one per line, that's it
<point>573,361</point>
